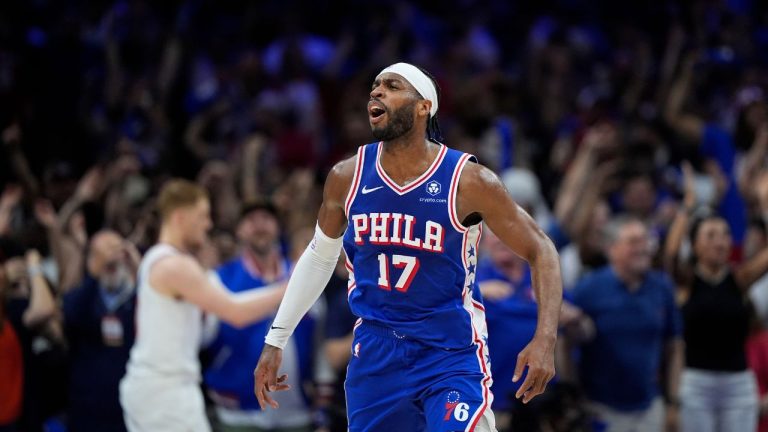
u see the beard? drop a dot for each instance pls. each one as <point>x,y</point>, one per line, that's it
<point>400,122</point>
<point>262,246</point>
<point>117,280</point>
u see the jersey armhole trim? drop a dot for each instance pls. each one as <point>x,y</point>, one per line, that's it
<point>359,162</point>
<point>148,271</point>
<point>454,191</point>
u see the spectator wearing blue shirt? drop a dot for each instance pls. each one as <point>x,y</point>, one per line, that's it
<point>234,352</point>
<point>99,325</point>
<point>504,280</point>
<point>630,323</point>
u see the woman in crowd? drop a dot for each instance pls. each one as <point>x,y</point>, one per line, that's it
<point>718,390</point>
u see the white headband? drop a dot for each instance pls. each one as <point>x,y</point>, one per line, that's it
<point>421,82</point>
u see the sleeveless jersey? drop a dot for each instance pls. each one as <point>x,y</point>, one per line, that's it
<point>411,262</point>
<point>168,331</point>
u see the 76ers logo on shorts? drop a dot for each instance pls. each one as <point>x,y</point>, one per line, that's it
<point>459,410</point>
<point>433,188</point>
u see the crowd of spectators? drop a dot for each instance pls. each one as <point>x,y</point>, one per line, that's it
<point>635,133</point>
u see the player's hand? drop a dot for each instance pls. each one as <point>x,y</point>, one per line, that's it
<point>539,357</point>
<point>265,376</point>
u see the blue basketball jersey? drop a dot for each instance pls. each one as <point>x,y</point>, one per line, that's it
<point>411,262</point>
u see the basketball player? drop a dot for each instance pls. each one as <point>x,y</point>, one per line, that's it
<point>408,210</point>
<point>160,391</point>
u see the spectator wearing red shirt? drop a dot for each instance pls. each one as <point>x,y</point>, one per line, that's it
<point>11,366</point>
<point>757,359</point>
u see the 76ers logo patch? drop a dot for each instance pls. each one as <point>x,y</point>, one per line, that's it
<point>433,188</point>
<point>454,408</point>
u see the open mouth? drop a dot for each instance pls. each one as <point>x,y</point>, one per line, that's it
<point>376,112</point>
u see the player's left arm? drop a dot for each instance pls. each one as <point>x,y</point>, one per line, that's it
<point>482,192</point>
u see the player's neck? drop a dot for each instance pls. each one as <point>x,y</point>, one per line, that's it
<point>411,141</point>
<point>172,237</point>
<point>405,158</point>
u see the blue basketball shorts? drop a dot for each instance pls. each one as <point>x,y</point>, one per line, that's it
<point>400,384</point>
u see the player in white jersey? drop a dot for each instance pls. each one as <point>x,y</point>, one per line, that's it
<point>160,391</point>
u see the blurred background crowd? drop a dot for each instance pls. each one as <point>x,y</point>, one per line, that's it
<point>635,133</point>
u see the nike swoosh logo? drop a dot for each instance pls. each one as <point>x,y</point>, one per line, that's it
<point>279,328</point>
<point>366,190</point>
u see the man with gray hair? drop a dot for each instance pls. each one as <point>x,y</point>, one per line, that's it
<point>630,323</point>
<point>99,324</point>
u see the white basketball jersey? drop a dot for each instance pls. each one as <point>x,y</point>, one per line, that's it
<point>168,330</point>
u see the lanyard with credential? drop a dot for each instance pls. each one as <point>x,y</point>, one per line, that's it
<point>111,327</point>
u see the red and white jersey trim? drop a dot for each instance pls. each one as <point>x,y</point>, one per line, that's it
<point>476,311</point>
<point>453,193</point>
<point>480,336</point>
<point>351,284</point>
<point>359,162</point>
<point>402,190</point>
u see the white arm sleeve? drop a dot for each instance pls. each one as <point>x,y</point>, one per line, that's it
<point>311,274</point>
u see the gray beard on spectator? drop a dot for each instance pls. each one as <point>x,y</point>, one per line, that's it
<point>116,281</point>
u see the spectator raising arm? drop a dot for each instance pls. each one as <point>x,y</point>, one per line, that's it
<point>57,241</point>
<point>217,177</point>
<point>581,178</point>
<point>580,221</point>
<point>12,140</point>
<point>687,125</point>
<point>8,201</point>
<point>754,161</point>
<point>41,304</point>
<point>679,227</point>
<point>68,238</point>
<point>755,267</point>
<point>249,173</point>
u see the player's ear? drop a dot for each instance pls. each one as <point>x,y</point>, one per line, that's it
<point>424,107</point>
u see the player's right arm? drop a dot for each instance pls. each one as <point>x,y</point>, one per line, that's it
<point>331,217</point>
<point>311,274</point>
<point>180,276</point>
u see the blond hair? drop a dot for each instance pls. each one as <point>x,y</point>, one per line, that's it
<point>178,193</point>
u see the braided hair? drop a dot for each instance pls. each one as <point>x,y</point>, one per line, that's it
<point>433,127</point>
